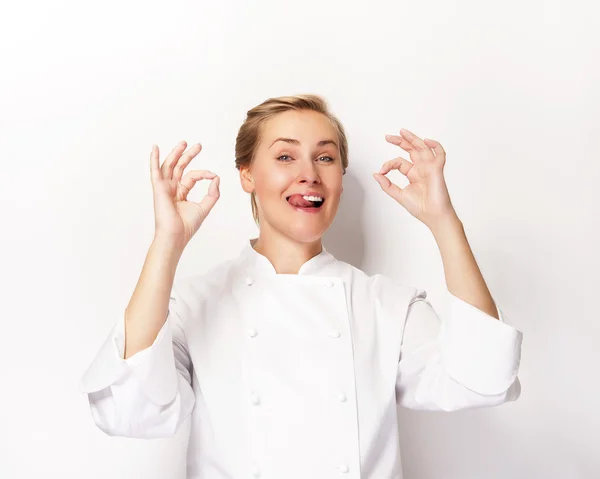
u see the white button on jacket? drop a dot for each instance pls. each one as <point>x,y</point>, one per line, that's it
<point>298,376</point>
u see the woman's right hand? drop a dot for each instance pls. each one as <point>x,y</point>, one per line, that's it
<point>177,219</point>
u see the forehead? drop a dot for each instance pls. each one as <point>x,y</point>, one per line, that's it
<point>304,126</point>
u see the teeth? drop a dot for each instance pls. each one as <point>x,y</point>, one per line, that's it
<point>312,198</point>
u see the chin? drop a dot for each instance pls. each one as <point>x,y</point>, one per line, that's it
<point>299,226</point>
<point>307,231</point>
<point>306,236</point>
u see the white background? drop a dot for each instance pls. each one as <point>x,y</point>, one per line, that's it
<point>509,88</point>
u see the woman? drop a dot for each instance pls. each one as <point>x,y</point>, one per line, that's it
<point>290,362</point>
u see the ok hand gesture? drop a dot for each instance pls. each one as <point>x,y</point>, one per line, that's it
<point>426,197</point>
<point>176,218</point>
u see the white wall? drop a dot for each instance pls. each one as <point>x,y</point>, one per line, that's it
<point>510,90</point>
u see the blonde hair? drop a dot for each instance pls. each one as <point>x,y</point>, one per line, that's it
<point>249,134</point>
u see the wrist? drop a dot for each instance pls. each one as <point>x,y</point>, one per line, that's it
<point>445,224</point>
<point>168,245</point>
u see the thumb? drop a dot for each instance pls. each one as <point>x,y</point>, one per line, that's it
<point>390,188</point>
<point>211,197</point>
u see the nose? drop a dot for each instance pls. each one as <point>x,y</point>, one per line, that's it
<point>308,173</point>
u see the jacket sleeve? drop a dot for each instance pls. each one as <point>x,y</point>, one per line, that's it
<point>149,394</point>
<point>469,360</point>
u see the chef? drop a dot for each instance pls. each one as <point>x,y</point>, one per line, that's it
<point>289,362</point>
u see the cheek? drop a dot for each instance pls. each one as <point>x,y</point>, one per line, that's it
<point>335,196</point>
<point>272,181</point>
<point>335,185</point>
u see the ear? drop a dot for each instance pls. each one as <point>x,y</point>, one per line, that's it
<point>246,179</point>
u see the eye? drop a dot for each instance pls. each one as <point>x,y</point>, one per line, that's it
<point>326,159</point>
<point>284,158</point>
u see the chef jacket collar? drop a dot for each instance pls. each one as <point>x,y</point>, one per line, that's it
<point>259,265</point>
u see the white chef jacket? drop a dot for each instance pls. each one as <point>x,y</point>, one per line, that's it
<point>299,375</point>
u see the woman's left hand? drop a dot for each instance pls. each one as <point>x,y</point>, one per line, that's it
<point>426,197</point>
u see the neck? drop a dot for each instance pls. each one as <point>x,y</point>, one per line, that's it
<point>285,254</point>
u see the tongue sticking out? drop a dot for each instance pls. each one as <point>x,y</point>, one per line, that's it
<point>298,201</point>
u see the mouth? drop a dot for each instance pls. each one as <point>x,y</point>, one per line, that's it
<point>306,203</point>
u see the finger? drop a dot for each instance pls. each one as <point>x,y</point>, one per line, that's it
<point>213,188</point>
<point>390,188</point>
<point>155,174</point>
<point>190,179</point>
<point>400,164</point>
<point>437,148</point>
<point>396,140</point>
<point>401,142</point>
<point>212,196</point>
<point>390,165</point>
<point>184,161</point>
<point>169,163</point>
<point>416,142</point>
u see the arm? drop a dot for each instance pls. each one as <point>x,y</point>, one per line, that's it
<point>153,394</point>
<point>468,360</point>
<point>146,312</point>
<point>474,359</point>
<point>472,308</point>
<point>463,277</point>
<point>471,359</point>
<point>147,391</point>
<point>140,383</point>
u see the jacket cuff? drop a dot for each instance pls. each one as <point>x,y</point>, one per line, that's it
<point>479,351</point>
<point>153,367</point>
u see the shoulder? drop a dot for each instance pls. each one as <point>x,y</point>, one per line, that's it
<point>191,291</point>
<point>380,287</point>
<point>207,281</point>
<point>389,289</point>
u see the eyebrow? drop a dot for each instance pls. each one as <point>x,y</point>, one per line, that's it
<point>296,142</point>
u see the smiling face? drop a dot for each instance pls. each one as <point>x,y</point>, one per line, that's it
<point>297,163</point>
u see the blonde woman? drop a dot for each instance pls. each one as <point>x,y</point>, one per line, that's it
<point>290,362</point>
